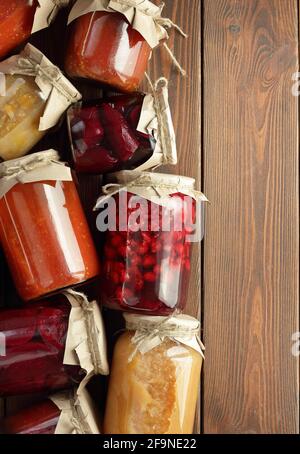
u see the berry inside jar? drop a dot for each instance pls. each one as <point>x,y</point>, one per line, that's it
<point>104,136</point>
<point>147,266</point>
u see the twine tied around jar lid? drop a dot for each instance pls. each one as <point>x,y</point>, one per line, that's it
<point>41,166</point>
<point>55,89</point>
<point>154,187</point>
<point>52,74</point>
<point>143,15</point>
<point>156,120</point>
<point>150,332</point>
<point>85,344</point>
<point>77,413</point>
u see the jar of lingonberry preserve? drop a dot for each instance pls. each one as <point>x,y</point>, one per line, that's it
<point>150,222</point>
<point>133,131</point>
<point>65,413</point>
<point>155,377</point>
<point>43,230</point>
<point>51,345</point>
<point>20,18</point>
<point>111,41</point>
<point>33,96</point>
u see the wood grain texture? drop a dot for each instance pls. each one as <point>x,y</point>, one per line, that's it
<point>251,145</point>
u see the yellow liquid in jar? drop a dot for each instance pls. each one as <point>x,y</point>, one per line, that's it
<point>20,112</point>
<point>156,393</point>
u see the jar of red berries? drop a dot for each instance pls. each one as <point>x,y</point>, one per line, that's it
<point>150,222</point>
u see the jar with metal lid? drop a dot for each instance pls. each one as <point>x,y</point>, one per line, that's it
<point>155,377</point>
<point>43,230</point>
<point>150,222</point>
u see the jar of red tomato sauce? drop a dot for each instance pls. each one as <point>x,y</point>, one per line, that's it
<point>63,413</point>
<point>103,46</point>
<point>43,230</point>
<point>111,41</point>
<point>150,222</point>
<point>20,18</point>
<point>49,346</point>
<point>16,21</point>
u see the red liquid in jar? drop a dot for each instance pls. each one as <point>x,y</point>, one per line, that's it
<point>147,271</point>
<point>104,47</point>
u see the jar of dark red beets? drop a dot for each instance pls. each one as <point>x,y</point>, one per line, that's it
<point>151,221</point>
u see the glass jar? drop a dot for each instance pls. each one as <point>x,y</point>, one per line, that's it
<point>43,229</point>
<point>147,250</point>
<point>104,135</point>
<point>36,420</point>
<point>69,412</point>
<point>104,47</point>
<point>16,21</point>
<point>155,379</point>
<point>20,111</point>
<point>35,340</point>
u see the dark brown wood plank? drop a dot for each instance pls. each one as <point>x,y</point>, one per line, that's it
<point>251,269</point>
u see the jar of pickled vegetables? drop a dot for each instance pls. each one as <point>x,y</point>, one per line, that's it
<point>133,131</point>
<point>49,346</point>
<point>155,377</point>
<point>150,222</point>
<point>43,230</point>
<point>111,41</point>
<point>32,101</point>
<point>20,18</point>
<point>63,413</point>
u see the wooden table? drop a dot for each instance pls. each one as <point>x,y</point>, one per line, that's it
<point>237,126</point>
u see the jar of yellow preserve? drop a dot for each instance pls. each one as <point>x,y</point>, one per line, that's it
<point>155,376</point>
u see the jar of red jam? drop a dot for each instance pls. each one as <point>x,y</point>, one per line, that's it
<point>50,346</point>
<point>132,131</point>
<point>150,221</point>
<point>16,21</point>
<point>43,230</point>
<point>103,46</point>
<point>63,413</point>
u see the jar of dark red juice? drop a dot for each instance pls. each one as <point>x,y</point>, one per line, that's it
<point>43,229</point>
<point>151,221</point>
<point>38,345</point>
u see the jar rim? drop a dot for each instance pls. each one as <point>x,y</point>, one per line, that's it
<point>128,176</point>
<point>177,323</point>
<point>7,166</point>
